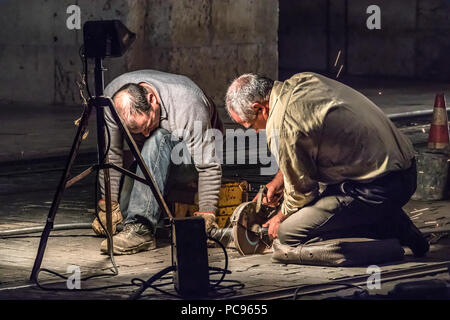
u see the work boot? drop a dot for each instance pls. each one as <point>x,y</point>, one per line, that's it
<point>116,215</point>
<point>409,235</point>
<point>134,237</point>
<point>283,253</point>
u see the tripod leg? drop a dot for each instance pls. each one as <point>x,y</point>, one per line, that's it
<point>108,206</point>
<point>103,159</point>
<point>59,192</point>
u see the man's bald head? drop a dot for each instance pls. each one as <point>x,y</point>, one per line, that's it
<point>130,101</point>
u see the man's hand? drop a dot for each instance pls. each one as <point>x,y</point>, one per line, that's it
<point>274,191</point>
<point>116,217</point>
<point>210,220</point>
<point>274,223</point>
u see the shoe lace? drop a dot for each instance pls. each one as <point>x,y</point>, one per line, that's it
<point>130,227</point>
<point>135,227</point>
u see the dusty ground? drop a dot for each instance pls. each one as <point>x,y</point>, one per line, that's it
<point>26,197</point>
<point>29,176</point>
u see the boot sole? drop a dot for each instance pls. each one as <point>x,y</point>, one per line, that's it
<point>146,246</point>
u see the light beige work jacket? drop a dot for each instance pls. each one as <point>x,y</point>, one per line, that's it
<point>321,130</point>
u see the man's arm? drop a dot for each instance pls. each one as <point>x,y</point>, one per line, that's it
<point>209,182</point>
<point>274,223</point>
<point>274,190</point>
<point>298,165</point>
<point>198,137</point>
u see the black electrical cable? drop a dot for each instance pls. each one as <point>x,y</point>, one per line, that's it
<point>108,146</point>
<point>85,67</point>
<point>156,288</point>
<point>101,161</point>
<point>111,253</point>
<point>149,282</point>
<point>225,269</point>
<point>81,290</point>
<point>216,286</point>
<point>213,287</point>
<point>231,288</point>
<point>132,284</point>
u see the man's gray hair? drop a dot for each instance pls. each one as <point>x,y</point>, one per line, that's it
<point>246,90</point>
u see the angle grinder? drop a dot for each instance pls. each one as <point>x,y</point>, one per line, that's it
<point>247,233</point>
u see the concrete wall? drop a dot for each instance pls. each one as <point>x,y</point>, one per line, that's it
<point>211,41</point>
<point>413,40</point>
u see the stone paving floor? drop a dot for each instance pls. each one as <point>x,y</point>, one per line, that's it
<point>34,142</point>
<point>26,196</point>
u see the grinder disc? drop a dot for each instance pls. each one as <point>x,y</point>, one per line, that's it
<point>246,241</point>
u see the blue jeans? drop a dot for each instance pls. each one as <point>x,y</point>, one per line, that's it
<point>137,202</point>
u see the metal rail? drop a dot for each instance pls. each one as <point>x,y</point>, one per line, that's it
<point>67,226</point>
<point>320,288</point>
<point>411,114</point>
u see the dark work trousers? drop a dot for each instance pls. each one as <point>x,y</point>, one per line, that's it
<point>351,209</point>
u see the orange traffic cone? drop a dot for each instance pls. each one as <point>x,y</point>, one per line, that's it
<point>438,137</point>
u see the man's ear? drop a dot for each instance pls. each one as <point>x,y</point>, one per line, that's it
<point>264,107</point>
<point>151,98</point>
<point>257,106</point>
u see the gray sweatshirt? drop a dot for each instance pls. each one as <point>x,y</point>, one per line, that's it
<point>184,107</point>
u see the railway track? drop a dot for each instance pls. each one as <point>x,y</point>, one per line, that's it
<point>333,286</point>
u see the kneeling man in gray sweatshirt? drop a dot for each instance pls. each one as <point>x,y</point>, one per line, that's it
<point>170,119</point>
